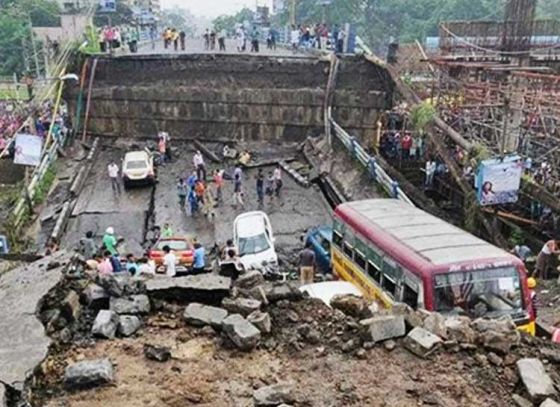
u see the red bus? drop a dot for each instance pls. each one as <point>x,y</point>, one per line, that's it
<point>395,252</point>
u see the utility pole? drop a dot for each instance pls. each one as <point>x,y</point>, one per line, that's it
<point>505,126</point>
<point>34,47</point>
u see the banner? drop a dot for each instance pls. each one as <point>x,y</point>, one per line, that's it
<point>107,6</point>
<point>28,149</point>
<point>498,180</point>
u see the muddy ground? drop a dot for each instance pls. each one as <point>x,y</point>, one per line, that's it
<point>206,370</point>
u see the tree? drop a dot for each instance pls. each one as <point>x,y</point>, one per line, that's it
<point>228,23</point>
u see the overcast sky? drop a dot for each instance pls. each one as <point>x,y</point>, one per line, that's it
<point>214,8</point>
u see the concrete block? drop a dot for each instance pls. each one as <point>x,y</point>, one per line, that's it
<point>88,373</point>
<point>244,334</point>
<point>135,304</point>
<point>261,320</point>
<point>95,296</point>
<point>200,315</point>
<point>420,341</point>
<point>105,324</point>
<point>383,327</point>
<point>274,395</point>
<point>535,379</point>
<point>129,324</point>
<point>243,306</point>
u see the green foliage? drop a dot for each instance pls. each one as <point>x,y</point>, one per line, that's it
<point>44,186</point>
<point>479,153</point>
<point>421,116</point>
<point>516,237</point>
<point>228,23</point>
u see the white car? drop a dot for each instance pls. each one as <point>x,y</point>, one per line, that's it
<point>327,290</point>
<point>138,168</point>
<point>252,235</point>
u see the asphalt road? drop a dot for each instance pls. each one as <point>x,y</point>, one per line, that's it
<point>130,212</point>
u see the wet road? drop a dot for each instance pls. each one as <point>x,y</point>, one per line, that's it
<point>129,213</point>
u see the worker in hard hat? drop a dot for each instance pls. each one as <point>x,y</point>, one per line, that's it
<point>110,241</point>
<point>532,285</point>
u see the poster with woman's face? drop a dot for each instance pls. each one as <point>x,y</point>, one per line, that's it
<point>499,181</point>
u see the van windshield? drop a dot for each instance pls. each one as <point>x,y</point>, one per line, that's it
<point>491,293</point>
<point>253,245</point>
<point>136,165</point>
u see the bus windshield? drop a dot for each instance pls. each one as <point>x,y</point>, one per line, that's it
<point>490,293</point>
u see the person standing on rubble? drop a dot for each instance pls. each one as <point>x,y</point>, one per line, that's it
<point>544,258</point>
<point>278,180</point>
<point>110,241</point>
<point>237,191</point>
<point>182,191</point>
<point>218,184</point>
<point>260,188</point>
<point>87,246</point>
<point>113,170</point>
<point>199,262</point>
<point>169,261</point>
<point>198,161</point>
<point>307,265</point>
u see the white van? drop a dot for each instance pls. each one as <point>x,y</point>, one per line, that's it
<point>252,235</point>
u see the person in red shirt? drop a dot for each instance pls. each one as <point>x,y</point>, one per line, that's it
<point>406,145</point>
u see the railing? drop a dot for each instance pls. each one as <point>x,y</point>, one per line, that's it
<point>377,173</point>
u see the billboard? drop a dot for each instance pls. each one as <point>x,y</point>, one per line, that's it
<point>107,6</point>
<point>28,149</point>
<point>498,180</point>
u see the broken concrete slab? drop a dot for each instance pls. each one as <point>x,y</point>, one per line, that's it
<point>105,324</point>
<point>261,320</point>
<point>351,305</point>
<point>204,288</point>
<point>274,395</point>
<point>549,403</point>
<point>128,324</point>
<point>242,333</point>
<point>383,327</point>
<point>243,306</point>
<point>538,383</point>
<point>249,280</point>
<point>135,304</point>
<point>435,323</point>
<point>24,343</point>
<point>96,297</point>
<point>70,307</point>
<point>199,315</point>
<point>421,342</point>
<point>88,373</point>
<point>521,401</point>
<point>459,329</point>
<point>283,291</point>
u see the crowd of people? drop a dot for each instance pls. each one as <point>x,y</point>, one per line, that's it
<point>113,37</point>
<point>173,37</point>
<point>11,119</point>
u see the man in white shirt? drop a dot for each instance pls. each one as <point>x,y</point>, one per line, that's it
<point>170,262</point>
<point>278,180</point>
<point>113,170</point>
<point>294,37</point>
<point>198,161</point>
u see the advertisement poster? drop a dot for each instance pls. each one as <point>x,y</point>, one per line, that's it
<point>498,180</point>
<point>28,150</point>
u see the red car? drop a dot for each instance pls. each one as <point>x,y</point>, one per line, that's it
<point>181,246</point>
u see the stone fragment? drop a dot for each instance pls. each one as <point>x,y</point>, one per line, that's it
<point>521,401</point>
<point>284,291</point>
<point>157,353</point>
<point>412,318</point>
<point>459,329</point>
<point>249,280</point>
<point>390,345</point>
<point>242,306</point>
<point>420,341</point>
<point>204,288</point>
<point>88,373</point>
<point>498,335</point>
<point>351,305</point>
<point>435,323</point>
<point>95,296</point>
<point>70,307</point>
<point>383,327</point>
<point>129,324</point>
<point>495,359</point>
<point>105,324</point>
<point>274,395</point>
<point>535,379</point>
<point>549,403</point>
<point>135,304</point>
<point>261,320</point>
<point>199,315</point>
<point>242,333</point>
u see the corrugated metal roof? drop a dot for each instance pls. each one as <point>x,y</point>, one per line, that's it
<point>432,238</point>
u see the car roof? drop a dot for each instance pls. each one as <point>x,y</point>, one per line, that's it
<point>250,224</point>
<point>136,155</point>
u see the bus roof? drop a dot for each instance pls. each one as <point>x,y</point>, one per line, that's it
<point>435,240</point>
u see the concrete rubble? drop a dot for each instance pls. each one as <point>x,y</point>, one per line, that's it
<point>274,395</point>
<point>261,320</point>
<point>241,332</point>
<point>421,342</point>
<point>243,306</point>
<point>88,373</point>
<point>549,403</point>
<point>207,288</point>
<point>105,324</point>
<point>95,297</point>
<point>383,327</point>
<point>200,315</point>
<point>128,325</point>
<point>157,353</point>
<point>535,379</point>
<point>135,304</point>
<point>352,305</point>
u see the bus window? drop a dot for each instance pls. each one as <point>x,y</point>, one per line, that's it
<point>348,250</point>
<point>325,244</point>
<point>374,272</point>
<point>337,239</point>
<point>409,296</point>
<point>389,285</point>
<point>360,260</point>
